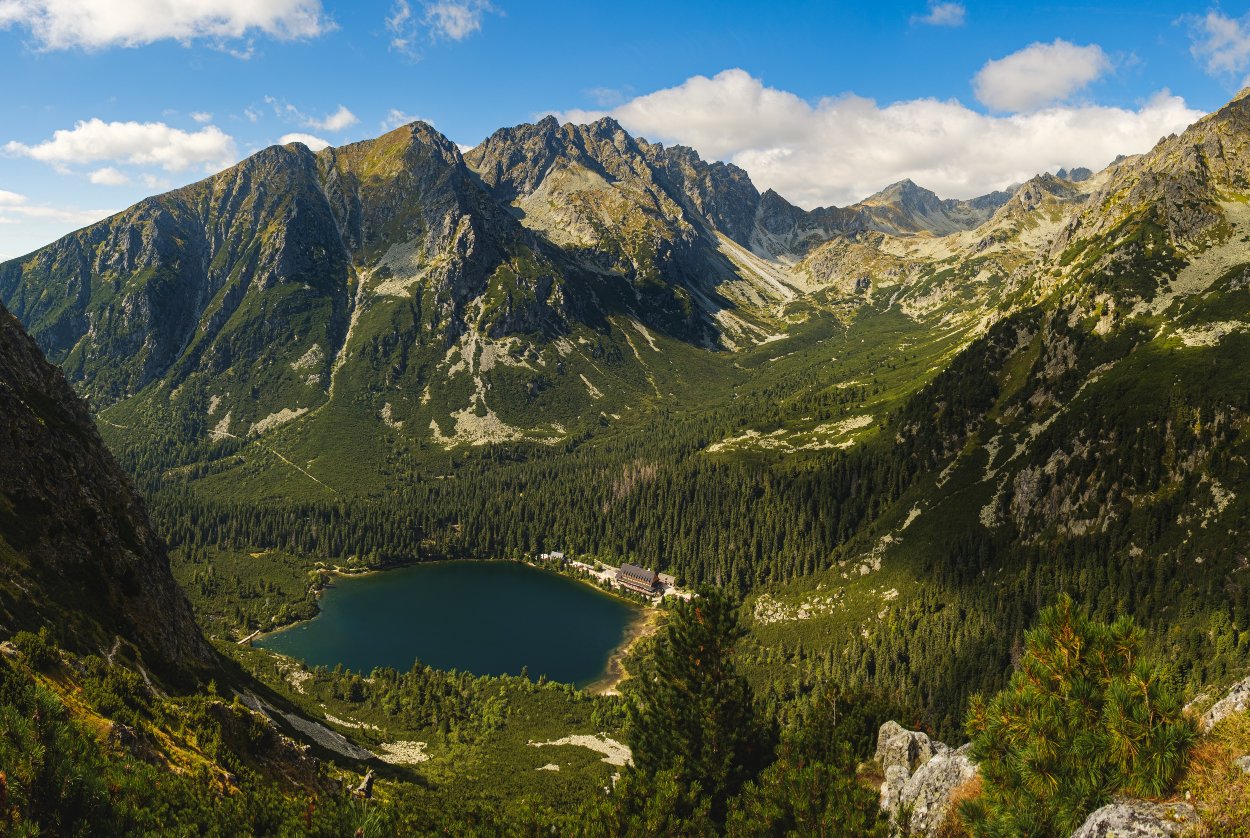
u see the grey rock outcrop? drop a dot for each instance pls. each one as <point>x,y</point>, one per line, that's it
<point>896,777</point>
<point>927,793</point>
<point>920,775</point>
<point>1138,819</point>
<point>899,746</point>
<point>1237,701</point>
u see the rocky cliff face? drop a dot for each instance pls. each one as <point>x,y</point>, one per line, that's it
<point>168,283</point>
<point>77,553</point>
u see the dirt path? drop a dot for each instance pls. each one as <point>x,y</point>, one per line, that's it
<point>282,458</point>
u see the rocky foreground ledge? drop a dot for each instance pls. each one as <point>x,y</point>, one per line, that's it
<point>925,778</point>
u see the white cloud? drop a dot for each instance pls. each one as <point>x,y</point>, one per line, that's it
<point>943,14</point>
<point>11,199</point>
<point>108,176</point>
<point>844,148</point>
<point>314,143</point>
<point>73,216</point>
<point>135,143</point>
<point>1039,75</point>
<point>452,20</point>
<point>202,117</point>
<point>96,24</point>
<point>337,121</point>
<point>400,25</point>
<point>456,19</point>
<point>1220,43</point>
<point>154,182</point>
<point>395,118</point>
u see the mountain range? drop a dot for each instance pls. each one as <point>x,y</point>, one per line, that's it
<point>497,286</point>
<point>569,337</point>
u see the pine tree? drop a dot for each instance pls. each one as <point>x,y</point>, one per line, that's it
<point>1082,719</point>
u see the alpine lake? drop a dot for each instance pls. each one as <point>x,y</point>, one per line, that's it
<point>483,617</point>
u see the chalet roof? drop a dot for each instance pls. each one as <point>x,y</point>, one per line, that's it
<point>641,574</point>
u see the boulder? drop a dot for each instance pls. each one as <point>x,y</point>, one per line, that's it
<point>927,793</point>
<point>1237,701</point>
<point>898,746</point>
<point>920,775</point>
<point>1138,819</point>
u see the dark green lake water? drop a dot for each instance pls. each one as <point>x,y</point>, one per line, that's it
<point>489,618</point>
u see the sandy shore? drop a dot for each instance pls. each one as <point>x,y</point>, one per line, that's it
<point>644,626</point>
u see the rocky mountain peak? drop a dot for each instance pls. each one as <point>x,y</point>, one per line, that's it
<point>1078,174</point>
<point>1038,189</point>
<point>906,194</point>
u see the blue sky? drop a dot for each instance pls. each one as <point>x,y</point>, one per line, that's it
<point>824,101</point>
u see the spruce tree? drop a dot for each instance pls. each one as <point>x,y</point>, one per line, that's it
<point>693,714</point>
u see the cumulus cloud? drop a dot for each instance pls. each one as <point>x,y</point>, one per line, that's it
<point>337,121</point>
<point>151,181</point>
<point>943,14</point>
<point>108,176</point>
<point>135,143</point>
<point>313,142</point>
<point>1039,75</point>
<point>97,24</point>
<point>1220,43</point>
<point>202,117</point>
<point>844,148</point>
<point>452,20</point>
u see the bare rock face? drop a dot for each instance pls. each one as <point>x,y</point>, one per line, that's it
<point>1237,701</point>
<point>77,553</point>
<point>1138,819</point>
<point>927,794</point>
<point>892,789</point>
<point>920,776</point>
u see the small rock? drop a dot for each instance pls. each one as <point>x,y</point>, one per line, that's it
<point>1243,763</point>
<point>1138,819</point>
<point>1237,701</point>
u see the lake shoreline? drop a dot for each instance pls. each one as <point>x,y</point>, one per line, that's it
<point>641,624</point>
<point>615,673</point>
